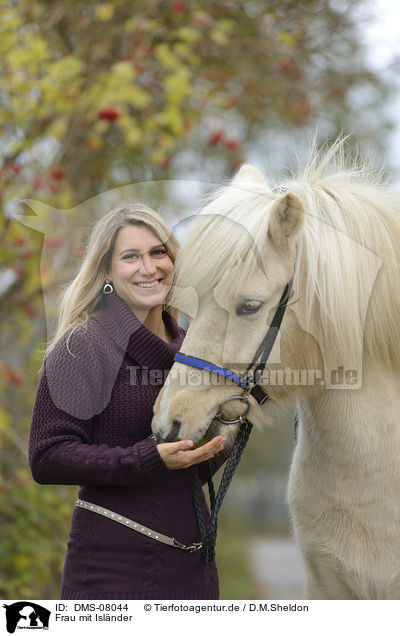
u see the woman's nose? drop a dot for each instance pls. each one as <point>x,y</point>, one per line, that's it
<point>147,265</point>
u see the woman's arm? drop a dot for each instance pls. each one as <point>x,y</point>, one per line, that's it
<point>61,452</point>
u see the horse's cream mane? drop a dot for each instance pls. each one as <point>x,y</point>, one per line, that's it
<point>348,255</point>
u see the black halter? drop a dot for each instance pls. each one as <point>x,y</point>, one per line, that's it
<point>250,380</point>
<point>250,387</point>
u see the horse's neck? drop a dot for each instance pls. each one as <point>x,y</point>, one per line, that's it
<point>354,425</point>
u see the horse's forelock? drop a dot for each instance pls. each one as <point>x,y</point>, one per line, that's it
<point>352,227</point>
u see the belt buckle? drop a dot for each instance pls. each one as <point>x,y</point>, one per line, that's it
<point>193,547</point>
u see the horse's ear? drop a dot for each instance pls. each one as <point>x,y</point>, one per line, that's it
<point>249,173</point>
<point>286,221</point>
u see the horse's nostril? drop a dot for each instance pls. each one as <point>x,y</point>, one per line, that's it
<point>173,435</point>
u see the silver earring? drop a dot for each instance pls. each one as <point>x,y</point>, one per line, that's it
<point>108,288</point>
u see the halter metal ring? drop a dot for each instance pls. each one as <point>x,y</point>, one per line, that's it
<point>239,420</point>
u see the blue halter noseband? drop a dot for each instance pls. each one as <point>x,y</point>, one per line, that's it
<point>205,365</point>
<point>248,383</point>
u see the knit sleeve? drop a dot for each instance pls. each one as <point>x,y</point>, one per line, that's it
<point>81,371</point>
<point>60,444</point>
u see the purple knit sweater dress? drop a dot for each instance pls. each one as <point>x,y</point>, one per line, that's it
<point>91,427</point>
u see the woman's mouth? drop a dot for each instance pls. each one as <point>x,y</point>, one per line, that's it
<point>148,284</point>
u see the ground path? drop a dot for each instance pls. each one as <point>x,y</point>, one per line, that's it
<point>278,568</point>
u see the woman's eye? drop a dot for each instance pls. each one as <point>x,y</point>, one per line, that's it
<point>159,253</point>
<point>131,257</point>
<point>248,307</point>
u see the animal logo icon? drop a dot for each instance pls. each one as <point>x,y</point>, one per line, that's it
<point>25,614</point>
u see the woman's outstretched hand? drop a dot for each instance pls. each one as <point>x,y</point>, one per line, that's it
<point>177,455</point>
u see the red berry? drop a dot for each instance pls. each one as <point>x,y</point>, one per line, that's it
<point>30,311</point>
<point>178,7</point>
<point>58,173</point>
<point>217,137</point>
<point>14,376</point>
<point>285,63</point>
<point>232,144</point>
<point>38,184</point>
<point>109,114</point>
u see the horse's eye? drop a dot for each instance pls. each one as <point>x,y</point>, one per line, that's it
<point>248,307</point>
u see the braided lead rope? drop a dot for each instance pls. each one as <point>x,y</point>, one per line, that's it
<point>209,532</point>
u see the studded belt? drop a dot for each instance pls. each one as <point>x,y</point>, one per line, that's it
<point>137,527</point>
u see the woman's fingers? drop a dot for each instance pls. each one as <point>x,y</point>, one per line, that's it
<point>177,454</point>
<point>206,451</point>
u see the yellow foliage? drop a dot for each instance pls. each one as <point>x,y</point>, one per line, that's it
<point>101,126</point>
<point>116,88</point>
<point>182,49</point>
<point>123,72</point>
<point>157,120</point>
<point>226,25</point>
<point>166,141</point>
<point>177,86</point>
<point>189,34</point>
<point>133,134</point>
<point>137,96</point>
<point>287,38</point>
<point>130,25</point>
<point>166,58</point>
<point>65,69</point>
<point>95,142</point>
<point>7,41</point>
<point>158,156</point>
<point>10,20</point>
<point>219,37</point>
<point>28,57</point>
<point>104,12</point>
<point>134,137</point>
<point>174,119</point>
<point>57,128</point>
<point>4,420</point>
<point>16,146</point>
<point>92,97</point>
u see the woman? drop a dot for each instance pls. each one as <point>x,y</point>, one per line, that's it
<point>91,423</point>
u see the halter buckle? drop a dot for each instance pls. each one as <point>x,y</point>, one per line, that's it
<point>240,419</point>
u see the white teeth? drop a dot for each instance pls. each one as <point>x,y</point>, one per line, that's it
<point>153,284</point>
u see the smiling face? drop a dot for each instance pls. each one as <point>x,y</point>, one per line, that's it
<point>141,269</point>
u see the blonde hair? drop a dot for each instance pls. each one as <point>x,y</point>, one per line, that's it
<point>83,297</point>
<point>348,217</point>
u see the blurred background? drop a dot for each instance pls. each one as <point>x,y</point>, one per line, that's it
<point>109,102</point>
